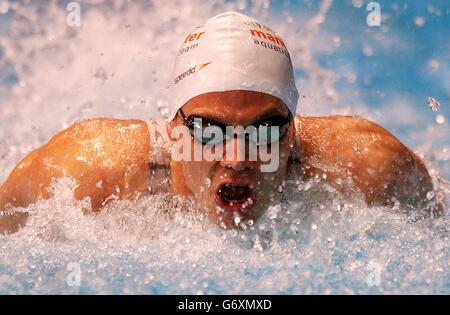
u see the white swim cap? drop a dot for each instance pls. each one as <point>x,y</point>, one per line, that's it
<point>232,52</point>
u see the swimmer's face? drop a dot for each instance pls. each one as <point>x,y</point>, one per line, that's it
<point>232,186</point>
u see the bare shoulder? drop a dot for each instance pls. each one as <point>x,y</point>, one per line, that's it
<point>116,132</point>
<point>110,152</point>
<point>380,165</point>
<point>105,157</point>
<point>338,128</point>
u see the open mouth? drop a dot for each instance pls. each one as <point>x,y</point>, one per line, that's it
<point>235,197</point>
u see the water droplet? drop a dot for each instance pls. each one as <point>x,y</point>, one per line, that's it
<point>351,77</point>
<point>248,84</point>
<point>440,119</point>
<point>433,104</point>
<point>280,188</point>
<point>163,109</point>
<point>4,6</point>
<point>242,5</point>
<point>419,21</point>
<point>257,244</point>
<point>357,3</point>
<point>307,186</point>
<point>294,228</point>
<point>237,218</point>
<point>433,65</point>
<point>336,41</point>
<point>272,212</point>
<point>367,50</point>
<point>330,242</point>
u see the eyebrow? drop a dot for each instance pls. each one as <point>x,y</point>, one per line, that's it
<point>259,118</point>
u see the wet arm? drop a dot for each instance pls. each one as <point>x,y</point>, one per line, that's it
<point>379,165</point>
<point>104,156</point>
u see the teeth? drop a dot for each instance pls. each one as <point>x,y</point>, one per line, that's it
<point>247,203</point>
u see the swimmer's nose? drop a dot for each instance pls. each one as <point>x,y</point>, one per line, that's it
<point>238,165</point>
<point>236,156</point>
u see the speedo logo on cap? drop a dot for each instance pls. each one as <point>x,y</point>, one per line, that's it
<point>190,71</point>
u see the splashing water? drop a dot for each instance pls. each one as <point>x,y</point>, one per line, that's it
<point>320,243</point>
<point>116,64</point>
<point>433,104</point>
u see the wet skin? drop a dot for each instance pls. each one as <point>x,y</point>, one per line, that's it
<point>116,152</point>
<point>234,108</point>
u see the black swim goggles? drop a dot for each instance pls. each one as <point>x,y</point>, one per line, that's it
<point>263,132</point>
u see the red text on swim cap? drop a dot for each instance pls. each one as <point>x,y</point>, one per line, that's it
<point>268,36</point>
<point>193,36</point>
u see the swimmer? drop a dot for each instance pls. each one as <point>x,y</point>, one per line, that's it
<point>233,71</point>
